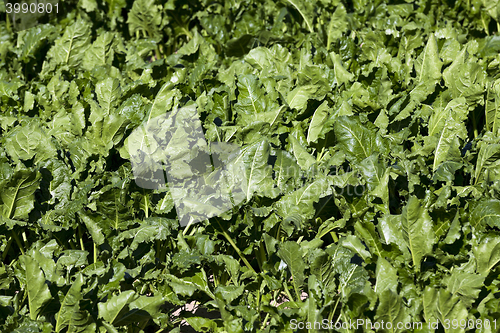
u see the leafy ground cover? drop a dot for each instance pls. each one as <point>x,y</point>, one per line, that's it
<point>370,134</point>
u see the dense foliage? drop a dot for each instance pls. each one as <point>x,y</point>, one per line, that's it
<point>386,112</point>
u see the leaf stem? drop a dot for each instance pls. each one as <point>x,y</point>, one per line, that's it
<point>215,281</point>
<point>143,325</point>
<point>186,228</point>
<point>80,238</point>
<point>287,292</point>
<point>163,252</point>
<point>474,124</point>
<point>258,300</point>
<point>261,256</point>
<point>183,28</point>
<point>157,53</point>
<point>18,242</point>
<point>323,206</point>
<point>188,34</point>
<point>8,24</point>
<point>95,252</point>
<point>320,155</point>
<point>330,316</point>
<point>303,16</point>
<point>146,206</point>
<point>233,244</point>
<point>7,248</point>
<point>264,322</point>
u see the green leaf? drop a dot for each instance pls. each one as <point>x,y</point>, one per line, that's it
<point>94,229</point>
<point>165,99</point>
<point>108,92</point>
<point>201,324</point>
<point>487,161</point>
<point>466,285</point>
<point>253,104</point>
<point>391,309</point>
<point>338,25</point>
<point>302,201</point>
<point>117,305</point>
<point>108,123</point>
<point>304,159</point>
<point>257,171</point>
<point>71,47</point>
<point>114,13</point>
<point>487,253</point>
<point>59,186</point>
<point>391,232</point>
<point>286,170</point>
<point>367,233</point>
<point>377,177</point>
<point>152,228</point>
<point>450,307</point>
<point>429,68</point>
<point>298,97</point>
<point>359,141</point>
<point>19,193</point>
<point>352,277</point>
<point>70,315</point>
<point>229,293</point>
<point>492,106</point>
<point>465,78</point>
<point>301,7</point>
<point>452,128</point>
<point>89,5</point>
<point>318,122</point>
<point>28,141</point>
<point>33,39</point>
<point>487,212</point>
<point>386,276</point>
<point>341,73</point>
<point>200,280</point>
<point>36,288</point>
<point>417,230</point>
<point>141,309</point>
<point>363,135</point>
<point>145,17</point>
<point>100,53</point>
<point>289,252</point>
<point>429,303</point>
<point>180,286</point>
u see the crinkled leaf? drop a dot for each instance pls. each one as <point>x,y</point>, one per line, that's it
<point>487,253</point>
<point>359,141</point>
<point>19,193</point>
<point>487,212</point>
<point>70,48</point>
